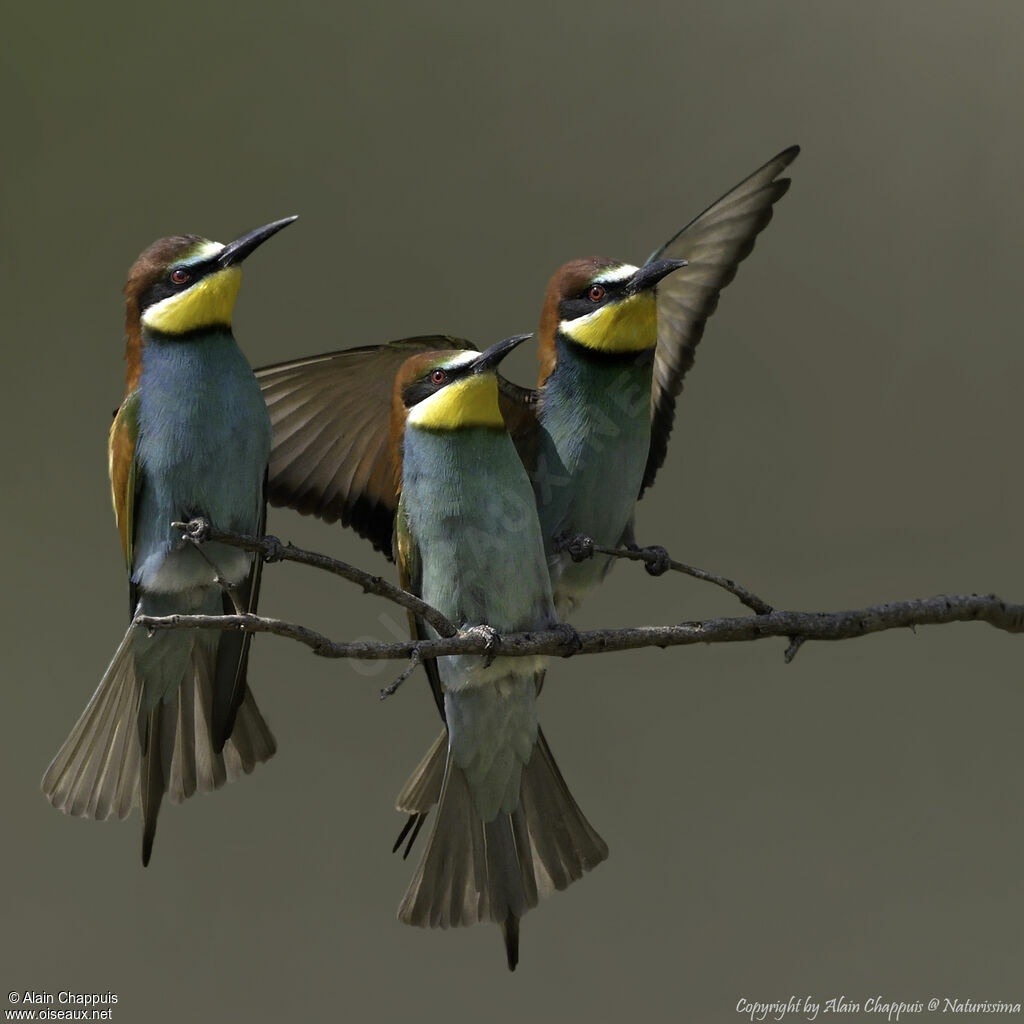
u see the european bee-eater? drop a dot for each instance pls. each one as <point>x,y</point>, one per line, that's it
<point>173,713</point>
<point>615,343</point>
<point>467,540</point>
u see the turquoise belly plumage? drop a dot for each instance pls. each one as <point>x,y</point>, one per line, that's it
<point>595,432</point>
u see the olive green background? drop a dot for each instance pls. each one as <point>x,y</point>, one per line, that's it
<point>847,825</point>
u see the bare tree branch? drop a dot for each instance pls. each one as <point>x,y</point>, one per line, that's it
<point>843,625</point>
<point>657,562</point>
<point>563,640</point>
<point>392,689</point>
<point>198,531</point>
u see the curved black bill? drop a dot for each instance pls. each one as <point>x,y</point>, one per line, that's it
<point>490,358</point>
<point>651,273</point>
<point>236,251</point>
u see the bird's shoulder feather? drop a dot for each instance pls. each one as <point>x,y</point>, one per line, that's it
<point>124,435</point>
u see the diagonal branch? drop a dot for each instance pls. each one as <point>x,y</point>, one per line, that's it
<point>198,531</point>
<point>657,562</point>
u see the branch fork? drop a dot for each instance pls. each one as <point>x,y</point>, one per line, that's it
<point>563,640</point>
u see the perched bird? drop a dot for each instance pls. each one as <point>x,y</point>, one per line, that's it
<point>615,343</point>
<point>467,540</point>
<point>173,712</point>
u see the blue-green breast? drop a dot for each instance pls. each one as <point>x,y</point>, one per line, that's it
<point>595,436</point>
<point>470,509</point>
<point>203,446</point>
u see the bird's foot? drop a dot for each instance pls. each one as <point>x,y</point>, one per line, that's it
<point>571,638</point>
<point>196,530</point>
<point>492,641</point>
<point>656,560</point>
<point>274,549</point>
<point>580,547</point>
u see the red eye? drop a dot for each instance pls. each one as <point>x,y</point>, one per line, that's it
<point>438,376</point>
<point>596,293</point>
<point>180,276</point>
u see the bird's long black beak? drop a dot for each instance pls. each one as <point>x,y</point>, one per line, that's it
<point>491,357</point>
<point>651,273</point>
<point>236,251</point>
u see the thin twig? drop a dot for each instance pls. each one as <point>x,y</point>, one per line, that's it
<point>199,530</point>
<point>842,625</point>
<point>658,561</point>
<point>795,644</point>
<point>392,689</point>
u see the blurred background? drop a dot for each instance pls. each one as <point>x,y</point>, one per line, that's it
<point>846,825</point>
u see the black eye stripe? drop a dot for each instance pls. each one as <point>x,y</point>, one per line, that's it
<point>580,303</point>
<point>425,386</point>
<point>165,287</point>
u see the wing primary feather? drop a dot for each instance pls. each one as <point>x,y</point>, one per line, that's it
<point>715,243</point>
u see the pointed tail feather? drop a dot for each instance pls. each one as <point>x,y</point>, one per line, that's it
<point>151,781</point>
<point>101,769</point>
<point>510,933</point>
<point>474,871</point>
<point>421,792</point>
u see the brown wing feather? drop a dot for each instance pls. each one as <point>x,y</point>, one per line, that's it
<point>519,408</point>
<point>124,432</point>
<point>230,687</point>
<point>331,454</point>
<point>714,244</point>
<point>407,559</point>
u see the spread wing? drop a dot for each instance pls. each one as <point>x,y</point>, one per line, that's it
<point>714,244</point>
<point>124,478</point>
<point>331,455</point>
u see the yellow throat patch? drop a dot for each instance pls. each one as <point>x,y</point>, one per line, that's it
<point>208,303</point>
<point>472,402</point>
<point>630,325</point>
